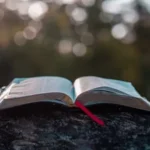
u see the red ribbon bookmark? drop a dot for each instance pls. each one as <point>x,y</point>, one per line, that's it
<point>92,116</point>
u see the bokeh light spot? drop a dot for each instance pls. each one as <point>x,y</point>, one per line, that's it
<point>23,8</point>
<point>88,3</point>
<point>111,7</point>
<point>11,4</point>
<point>2,1</point>
<point>30,33</point>
<point>131,17</point>
<point>79,14</point>
<point>68,1</point>
<point>65,46</point>
<point>119,31</point>
<point>19,39</point>
<point>37,10</point>
<point>79,49</point>
<point>116,6</point>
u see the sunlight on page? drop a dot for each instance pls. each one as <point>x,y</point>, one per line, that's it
<point>40,85</point>
<point>84,84</point>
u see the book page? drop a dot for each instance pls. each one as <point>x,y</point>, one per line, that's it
<point>5,93</point>
<point>84,84</point>
<point>40,85</point>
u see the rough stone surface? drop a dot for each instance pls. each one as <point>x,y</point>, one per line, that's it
<point>54,127</point>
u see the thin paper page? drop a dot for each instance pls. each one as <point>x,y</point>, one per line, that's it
<point>84,84</point>
<point>40,85</point>
<point>6,92</point>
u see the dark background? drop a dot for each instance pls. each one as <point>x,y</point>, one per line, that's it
<point>73,38</point>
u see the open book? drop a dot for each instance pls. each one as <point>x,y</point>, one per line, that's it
<point>89,90</point>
